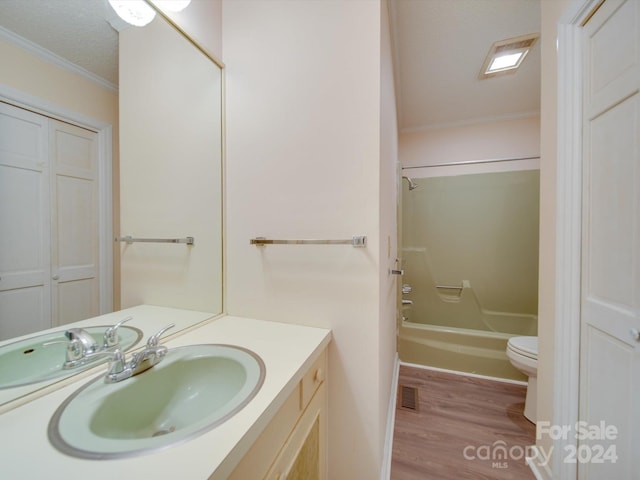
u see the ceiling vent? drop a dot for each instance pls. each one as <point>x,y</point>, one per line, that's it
<point>506,56</point>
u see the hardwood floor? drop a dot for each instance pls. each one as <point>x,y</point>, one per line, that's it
<point>464,428</point>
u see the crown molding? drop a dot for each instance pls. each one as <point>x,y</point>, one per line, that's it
<point>57,60</point>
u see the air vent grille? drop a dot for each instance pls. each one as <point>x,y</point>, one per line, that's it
<point>408,397</point>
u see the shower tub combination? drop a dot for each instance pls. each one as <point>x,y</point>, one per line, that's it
<point>470,259</point>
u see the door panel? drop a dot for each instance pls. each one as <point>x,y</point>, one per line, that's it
<point>75,243</point>
<point>611,390</point>
<point>610,307</point>
<point>76,300</point>
<point>24,223</point>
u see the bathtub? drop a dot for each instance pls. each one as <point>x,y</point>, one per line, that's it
<point>461,349</point>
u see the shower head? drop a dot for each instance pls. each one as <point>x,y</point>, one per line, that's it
<point>412,184</point>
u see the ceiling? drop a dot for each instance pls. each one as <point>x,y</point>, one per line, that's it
<point>79,31</point>
<point>439,47</point>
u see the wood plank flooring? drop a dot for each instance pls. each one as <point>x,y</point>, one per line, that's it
<point>459,428</point>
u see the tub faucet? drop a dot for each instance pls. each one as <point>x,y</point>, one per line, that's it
<point>119,369</point>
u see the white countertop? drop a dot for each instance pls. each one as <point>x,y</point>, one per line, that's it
<point>287,351</point>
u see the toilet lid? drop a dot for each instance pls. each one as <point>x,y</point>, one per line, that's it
<point>527,346</point>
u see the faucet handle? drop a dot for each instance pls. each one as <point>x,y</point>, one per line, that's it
<point>117,361</point>
<point>111,333</point>
<point>155,338</point>
<point>74,350</point>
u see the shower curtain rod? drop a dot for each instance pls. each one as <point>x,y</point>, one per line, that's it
<point>472,162</point>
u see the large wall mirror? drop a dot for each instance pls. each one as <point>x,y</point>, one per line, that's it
<point>160,126</point>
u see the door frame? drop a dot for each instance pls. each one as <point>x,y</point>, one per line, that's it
<point>566,383</point>
<point>105,178</point>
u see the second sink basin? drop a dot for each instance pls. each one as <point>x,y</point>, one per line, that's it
<point>192,390</point>
<point>30,361</point>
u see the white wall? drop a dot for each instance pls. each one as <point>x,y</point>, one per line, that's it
<point>389,188</point>
<point>307,157</point>
<point>202,21</point>
<point>513,138</point>
<point>551,14</point>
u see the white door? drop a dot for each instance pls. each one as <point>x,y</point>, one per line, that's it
<point>25,302</point>
<point>48,222</point>
<point>610,309</point>
<point>74,241</point>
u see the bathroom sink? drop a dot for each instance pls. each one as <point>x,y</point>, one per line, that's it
<point>192,390</point>
<point>30,361</point>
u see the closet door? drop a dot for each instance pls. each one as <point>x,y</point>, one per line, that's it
<point>74,240</point>
<point>24,223</point>
<point>48,222</point>
<point>610,344</point>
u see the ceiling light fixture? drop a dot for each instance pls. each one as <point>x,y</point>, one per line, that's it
<point>506,56</point>
<point>134,12</point>
<point>139,13</point>
<point>172,5</point>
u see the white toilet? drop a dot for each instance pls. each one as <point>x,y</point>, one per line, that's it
<point>523,354</point>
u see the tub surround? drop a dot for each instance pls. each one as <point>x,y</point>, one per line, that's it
<point>288,352</point>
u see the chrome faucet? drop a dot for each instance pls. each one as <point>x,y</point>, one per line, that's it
<point>83,338</point>
<point>82,347</point>
<point>119,369</point>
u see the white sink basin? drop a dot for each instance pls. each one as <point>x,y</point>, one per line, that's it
<point>29,361</point>
<point>192,390</point>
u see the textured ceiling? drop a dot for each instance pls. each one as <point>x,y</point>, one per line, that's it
<point>76,30</point>
<point>439,47</point>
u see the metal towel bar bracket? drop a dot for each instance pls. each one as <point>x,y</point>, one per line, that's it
<point>356,241</point>
<point>129,240</point>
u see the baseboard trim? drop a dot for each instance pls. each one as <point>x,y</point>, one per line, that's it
<point>539,464</point>
<point>385,470</point>
<point>464,374</point>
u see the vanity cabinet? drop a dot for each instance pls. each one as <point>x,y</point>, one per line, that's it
<point>293,445</point>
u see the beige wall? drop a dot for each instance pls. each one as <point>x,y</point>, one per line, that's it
<point>171,168</point>
<point>551,13</point>
<point>307,157</point>
<point>202,20</point>
<point>514,138</point>
<point>389,187</point>
<point>28,73</point>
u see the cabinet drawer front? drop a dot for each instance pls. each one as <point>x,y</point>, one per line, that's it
<point>312,380</point>
<point>303,456</point>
